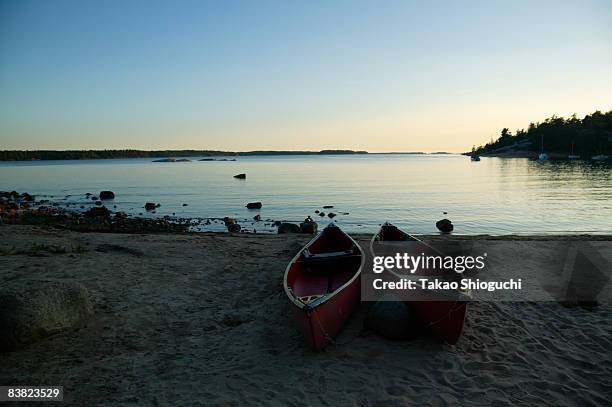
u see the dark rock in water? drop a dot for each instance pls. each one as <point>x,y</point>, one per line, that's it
<point>286,227</point>
<point>316,211</point>
<point>94,198</point>
<point>183,160</point>
<point>321,213</point>
<point>14,195</point>
<point>42,309</point>
<point>54,204</point>
<point>149,206</point>
<point>392,320</point>
<point>98,203</point>
<point>277,223</point>
<point>165,160</point>
<point>254,205</point>
<point>229,221</point>
<point>184,204</point>
<point>309,226</point>
<point>27,197</point>
<point>233,228</point>
<point>206,159</point>
<point>88,194</point>
<point>98,211</point>
<point>331,215</point>
<point>445,226</point>
<point>328,206</point>
<point>240,176</point>
<point>444,213</point>
<point>82,207</point>
<point>107,195</point>
<point>257,217</point>
<point>344,213</point>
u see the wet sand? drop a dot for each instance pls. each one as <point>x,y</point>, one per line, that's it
<point>202,319</point>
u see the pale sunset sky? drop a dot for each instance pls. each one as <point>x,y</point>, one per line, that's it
<point>259,75</point>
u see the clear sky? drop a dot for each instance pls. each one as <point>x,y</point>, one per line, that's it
<point>378,76</point>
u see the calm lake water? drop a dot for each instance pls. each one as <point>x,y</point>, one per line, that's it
<point>493,196</point>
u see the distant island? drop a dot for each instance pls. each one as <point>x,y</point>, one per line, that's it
<point>557,136</point>
<point>25,155</point>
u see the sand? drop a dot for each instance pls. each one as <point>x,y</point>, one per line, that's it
<point>203,320</point>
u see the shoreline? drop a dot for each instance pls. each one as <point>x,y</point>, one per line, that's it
<point>188,318</point>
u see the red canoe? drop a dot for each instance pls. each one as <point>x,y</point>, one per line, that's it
<point>443,312</point>
<point>323,283</point>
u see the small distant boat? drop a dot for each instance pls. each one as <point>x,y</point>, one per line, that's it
<point>600,157</point>
<point>443,312</point>
<point>573,156</point>
<point>324,286</point>
<point>475,158</point>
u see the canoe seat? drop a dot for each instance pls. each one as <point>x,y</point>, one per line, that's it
<point>308,255</point>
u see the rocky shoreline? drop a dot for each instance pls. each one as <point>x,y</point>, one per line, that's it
<point>94,216</point>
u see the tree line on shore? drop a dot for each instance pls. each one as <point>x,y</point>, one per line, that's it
<point>589,136</point>
<point>26,155</point>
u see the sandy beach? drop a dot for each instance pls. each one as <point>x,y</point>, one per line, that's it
<point>202,319</point>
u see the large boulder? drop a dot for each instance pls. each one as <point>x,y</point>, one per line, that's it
<point>43,308</point>
<point>445,226</point>
<point>286,227</point>
<point>392,320</point>
<point>308,226</point>
<point>107,195</point>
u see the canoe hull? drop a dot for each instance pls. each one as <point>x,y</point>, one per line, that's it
<point>442,313</point>
<point>320,325</point>
<point>444,318</point>
<point>324,286</point>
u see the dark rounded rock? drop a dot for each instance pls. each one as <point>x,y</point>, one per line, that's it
<point>27,197</point>
<point>392,320</point>
<point>331,215</point>
<point>229,221</point>
<point>41,309</point>
<point>233,227</point>
<point>286,227</point>
<point>277,223</point>
<point>107,195</point>
<point>321,213</point>
<point>309,226</point>
<point>94,198</point>
<point>445,226</point>
<point>257,217</point>
<point>98,203</point>
<point>240,176</point>
<point>184,204</point>
<point>149,206</point>
<point>328,206</point>
<point>254,205</point>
